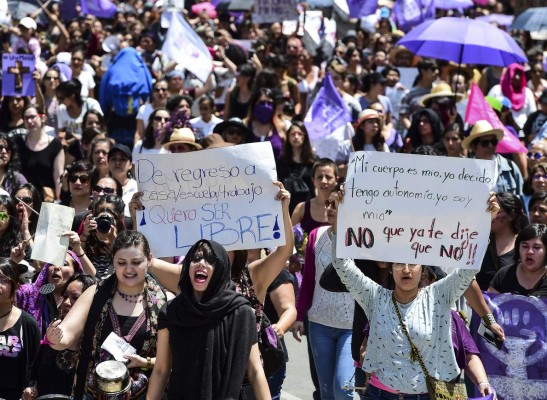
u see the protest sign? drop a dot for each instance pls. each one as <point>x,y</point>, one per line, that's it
<point>415,209</point>
<point>268,11</point>
<point>519,369</point>
<point>224,194</point>
<point>49,244</point>
<point>17,72</point>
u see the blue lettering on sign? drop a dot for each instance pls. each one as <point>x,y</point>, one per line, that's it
<point>245,229</point>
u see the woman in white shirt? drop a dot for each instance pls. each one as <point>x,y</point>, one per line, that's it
<point>78,72</point>
<point>425,313</point>
<point>154,134</point>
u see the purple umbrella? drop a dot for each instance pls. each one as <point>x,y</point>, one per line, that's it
<point>453,4</point>
<point>463,40</point>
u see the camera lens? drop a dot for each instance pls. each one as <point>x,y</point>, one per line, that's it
<point>104,223</point>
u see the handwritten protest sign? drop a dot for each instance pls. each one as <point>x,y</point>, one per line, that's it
<point>415,209</point>
<point>49,244</point>
<point>519,369</point>
<point>17,72</point>
<point>224,194</point>
<point>268,11</point>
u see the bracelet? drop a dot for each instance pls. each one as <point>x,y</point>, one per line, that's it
<point>488,320</point>
<point>484,384</point>
<point>148,363</point>
<point>80,255</point>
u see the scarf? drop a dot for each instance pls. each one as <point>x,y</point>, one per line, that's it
<point>92,339</point>
<point>517,97</point>
<point>30,299</point>
<point>210,340</point>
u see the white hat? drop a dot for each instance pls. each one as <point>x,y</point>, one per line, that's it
<point>28,23</point>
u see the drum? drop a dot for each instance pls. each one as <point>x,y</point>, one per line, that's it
<point>112,381</point>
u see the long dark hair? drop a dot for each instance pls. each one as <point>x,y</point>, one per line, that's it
<point>5,115</point>
<point>149,140</point>
<point>69,88</point>
<point>10,270</point>
<point>308,156</point>
<point>513,206</point>
<point>12,235</point>
<point>14,165</point>
<point>99,117</point>
<point>378,140</point>
<point>36,203</point>
<point>436,127</point>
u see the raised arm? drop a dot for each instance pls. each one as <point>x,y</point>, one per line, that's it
<point>264,271</point>
<point>67,333</point>
<point>167,274</point>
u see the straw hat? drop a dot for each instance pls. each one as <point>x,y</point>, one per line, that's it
<point>396,51</point>
<point>182,135</point>
<point>368,113</point>
<point>443,89</point>
<point>214,141</point>
<point>481,128</point>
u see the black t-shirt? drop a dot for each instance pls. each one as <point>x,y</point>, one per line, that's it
<point>37,166</point>
<point>491,265</point>
<point>287,172</point>
<point>18,349</point>
<point>505,281</point>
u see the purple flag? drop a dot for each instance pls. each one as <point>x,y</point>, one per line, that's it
<point>68,9</point>
<point>519,369</point>
<point>327,113</point>
<point>17,72</point>
<point>362,8</point>
<point>98,8</point>
<point>409,13</point>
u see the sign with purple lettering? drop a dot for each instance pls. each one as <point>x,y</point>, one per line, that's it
<point>225,194</point>
<point>519,369</point>
<point>17,72</point>
<point>415,209</point>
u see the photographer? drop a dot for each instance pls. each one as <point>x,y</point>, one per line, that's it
<point>100,229</point>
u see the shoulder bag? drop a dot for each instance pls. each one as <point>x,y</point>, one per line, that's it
<point>438,390</point>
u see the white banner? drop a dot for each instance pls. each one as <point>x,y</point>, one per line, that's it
<point>184,46</point>
<point>415,209</point>
<point>226,195</point>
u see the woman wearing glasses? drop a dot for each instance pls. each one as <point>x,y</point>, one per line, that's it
<point>425,313</point>
<point>76,186</point>
<point>483,140</point>
<point>10,177</point>
<point>159,100</point>
<point>42,156</point>
<point>151,143</point>
<point>28,194</point>
<point>536,182</point>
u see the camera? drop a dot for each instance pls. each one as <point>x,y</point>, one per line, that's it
<point>104,223</point>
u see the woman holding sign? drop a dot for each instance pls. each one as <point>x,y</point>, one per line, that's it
<point>409,334</point>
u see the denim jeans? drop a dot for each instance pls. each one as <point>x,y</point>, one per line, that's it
<point>332,354</point>
<point>373,392</point>
<point>276,381</point>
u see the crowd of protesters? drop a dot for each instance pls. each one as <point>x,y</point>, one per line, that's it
<point>194,320</point>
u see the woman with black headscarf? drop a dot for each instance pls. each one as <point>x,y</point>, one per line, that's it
<point>207,335</point>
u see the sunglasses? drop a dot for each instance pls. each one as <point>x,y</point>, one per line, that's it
<point>160,89</point>
<point>4,216</point>
<point>51,78</point>
<point>180,148</point>
<point>537,177</point>
<point>209,259</point>
<point>161,119</point>
<point>491,142</point>
<point>26,199</point>
<point>100,189</point>
<point>535,156</point>
<point>84,178</point>
<point>3,147</point>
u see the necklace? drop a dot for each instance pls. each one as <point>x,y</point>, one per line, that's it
<point>8,313</point>
<point>131,298</point>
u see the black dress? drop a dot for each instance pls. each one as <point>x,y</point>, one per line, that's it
<point>37,166</point>
<point>18,349</point>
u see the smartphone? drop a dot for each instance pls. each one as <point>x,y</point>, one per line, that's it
<point>250,53</point>
<point>489,336</point>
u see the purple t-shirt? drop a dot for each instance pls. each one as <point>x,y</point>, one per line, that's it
<point>462,341</point>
